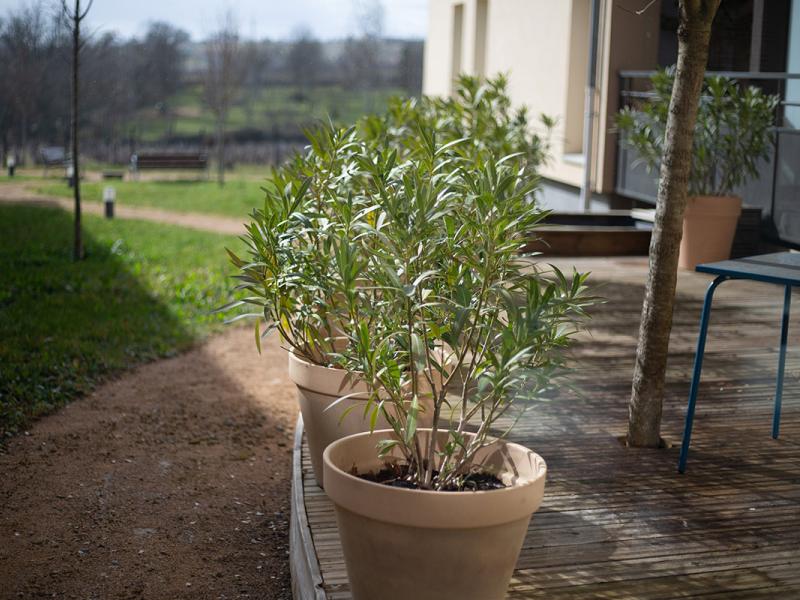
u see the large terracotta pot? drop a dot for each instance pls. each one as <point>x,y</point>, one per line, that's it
<point>317,388</point>
<point>404,543</point>
<point>709,225</point>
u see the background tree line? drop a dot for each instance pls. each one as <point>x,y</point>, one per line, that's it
<point>160,88</point>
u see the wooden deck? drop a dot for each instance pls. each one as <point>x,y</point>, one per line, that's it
<point>621,523</point>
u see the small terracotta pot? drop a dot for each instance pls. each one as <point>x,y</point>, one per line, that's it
<point>709,225</point>
<point>403,543</point>
<point>317,388</point>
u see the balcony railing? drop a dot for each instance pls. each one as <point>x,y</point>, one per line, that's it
<point>777,189</point>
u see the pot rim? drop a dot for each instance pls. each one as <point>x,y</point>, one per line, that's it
<point>376,485</point>
<point>305,362</point>
<point>716,197</point>
<point>713,206</point>
<point>328,380</point>
<point>513,499</point>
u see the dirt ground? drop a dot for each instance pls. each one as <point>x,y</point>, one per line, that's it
<point>170,482</point>
<point>17,193</point>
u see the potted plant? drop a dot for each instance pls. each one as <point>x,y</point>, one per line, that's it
<point>297,243</point>
<point>288,276</point>
<point>442,511</point>
<point>312,206</point>
<point>479,111</point>
<point>732,137</point>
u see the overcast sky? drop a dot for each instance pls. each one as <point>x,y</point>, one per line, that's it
<point>257,18</point>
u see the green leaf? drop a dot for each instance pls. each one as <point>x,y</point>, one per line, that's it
<point>385,446</point>
<point>411,421</point>
<point>419,352</point>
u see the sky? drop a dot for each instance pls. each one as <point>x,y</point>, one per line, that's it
<point>274,19</point>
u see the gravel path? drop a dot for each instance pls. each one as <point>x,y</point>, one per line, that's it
<point>18,192</point>
<point>170,482</point>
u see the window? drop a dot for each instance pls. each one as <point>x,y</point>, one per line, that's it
<point>747,35</point>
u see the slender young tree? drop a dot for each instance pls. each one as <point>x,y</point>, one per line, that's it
<point>223,79</point>
<point>75,16</point>
<point>694,33</point>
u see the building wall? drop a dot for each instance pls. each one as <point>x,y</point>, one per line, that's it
<point>532,41</point>
<point>438,49</point>
<point>543,45</point>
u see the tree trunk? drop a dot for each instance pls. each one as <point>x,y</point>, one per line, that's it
<point>694,32</point>
<point>23,135</point>
<point>77,248</point>
<point>4,144</point>
<point>221,151</point>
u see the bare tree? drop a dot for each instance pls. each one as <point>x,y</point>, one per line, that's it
<point>24,48</point>
<point>694,33</point>
<point>116,78</point>
<point>158,63</point>
<point>360,60</point>
<point>304,59</point>
<point>75,17</point>
<point>5,101</point>
<point>222,81</point>
<point>256,62</point>
<point>409,67</point>
<point>370,16</point>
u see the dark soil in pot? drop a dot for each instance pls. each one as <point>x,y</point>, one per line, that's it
<point>396,475</point>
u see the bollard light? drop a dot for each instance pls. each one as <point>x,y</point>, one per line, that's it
<point>70,175</point>
<point>109,195</point>
<point>11,163</point>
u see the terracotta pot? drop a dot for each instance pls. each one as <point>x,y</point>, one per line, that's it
<point>317,388</point>
<point>402,543</point>
<point>709,225</point>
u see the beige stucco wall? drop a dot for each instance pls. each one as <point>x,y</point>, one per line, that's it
<point>543,45</point>
<point>437,78</point>
<point>532,41</point>
<point>438,54</point>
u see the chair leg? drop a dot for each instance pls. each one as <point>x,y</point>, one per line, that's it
<point>698,367</point>
<point>776,416</point>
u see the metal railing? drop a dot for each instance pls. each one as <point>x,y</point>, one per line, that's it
<point>776,191</point>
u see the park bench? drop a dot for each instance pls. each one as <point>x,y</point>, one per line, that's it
<point>52,156</point>
<point>169,161</point>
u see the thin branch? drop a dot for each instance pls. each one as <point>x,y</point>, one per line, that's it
<point>73,15</point>
<point>89,7</point>
<point>639,12</point>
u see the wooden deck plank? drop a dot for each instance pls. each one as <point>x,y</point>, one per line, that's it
<point>621,523</point>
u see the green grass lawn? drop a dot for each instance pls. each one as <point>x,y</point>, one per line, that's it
<point>273,105</point>
<point>144,291</point>
<point>235,199</point>
<point>19,178</point>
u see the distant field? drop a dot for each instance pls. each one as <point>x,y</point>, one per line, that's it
<point>267,108</point>
<point>145,291</point>
<point>235,199</point>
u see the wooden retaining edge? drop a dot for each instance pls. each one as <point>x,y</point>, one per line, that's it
<point>303,562</point>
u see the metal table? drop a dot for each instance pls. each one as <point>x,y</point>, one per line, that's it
<point>782,268</point>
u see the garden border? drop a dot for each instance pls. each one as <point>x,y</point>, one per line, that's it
<point>303,562</point>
